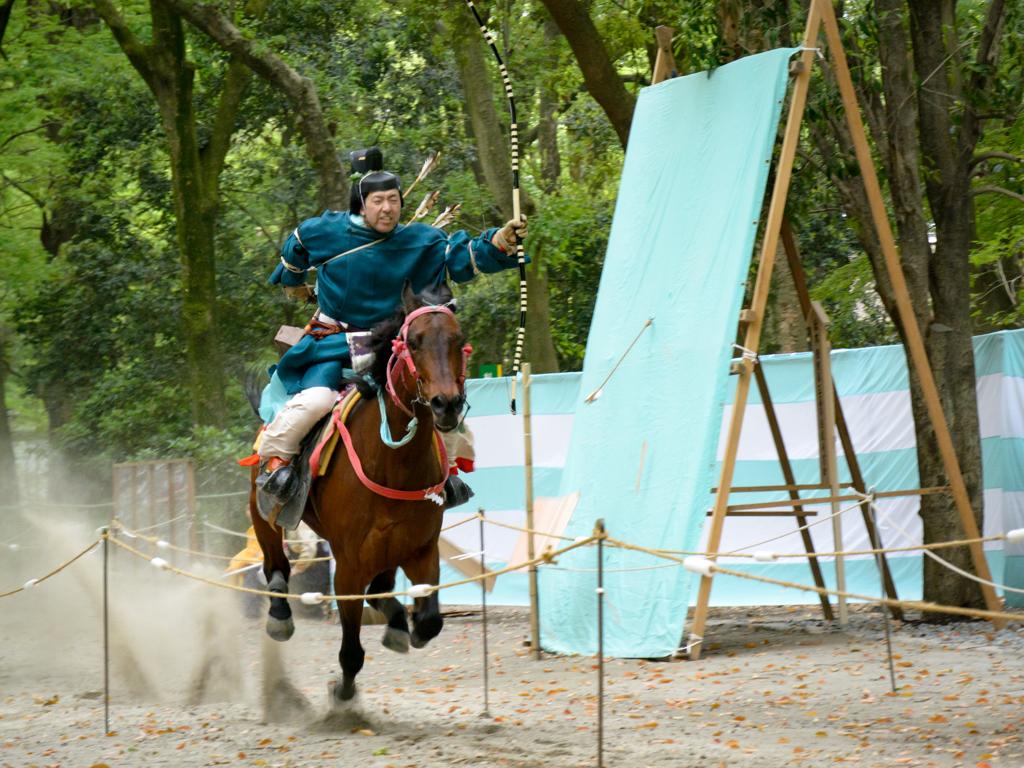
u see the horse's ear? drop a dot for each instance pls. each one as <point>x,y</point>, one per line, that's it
<point>444,293</point>
<point>409,301</point>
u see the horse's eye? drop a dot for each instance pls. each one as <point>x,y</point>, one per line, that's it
<point>414,345</point>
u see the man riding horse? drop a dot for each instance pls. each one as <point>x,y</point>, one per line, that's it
<point>363,258</point>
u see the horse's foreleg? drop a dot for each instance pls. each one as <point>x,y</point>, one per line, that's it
<point>396,636</point>
<point>277,570</point>
<point>351,654</point>
<point>426,616</point>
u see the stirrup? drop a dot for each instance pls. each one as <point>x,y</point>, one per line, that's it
<point>278,485</point>
<point>456,492</point>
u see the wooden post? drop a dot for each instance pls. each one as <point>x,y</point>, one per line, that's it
<point>191,485</point>
<point>827,439</point>
<point>796,268</point>
<point>170,504</point>
<point>903,303</point>
<point>135,496</point>
<point>528,445</point>
<point>787,474</point>
<point>665,62</point>
<point>784,170</point>
<point>117,492</point>
<point>152,497</point>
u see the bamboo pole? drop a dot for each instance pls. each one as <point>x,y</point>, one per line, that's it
<point>827,440</point>
<point>664,62</point>
<point>784,170</point>
<point>794,495</point>
<point>191,490</point>
<point>903,303</point>
<point>796,268</point>
<point>528,445</point>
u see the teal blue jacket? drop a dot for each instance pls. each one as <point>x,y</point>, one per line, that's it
<point>363,287</point>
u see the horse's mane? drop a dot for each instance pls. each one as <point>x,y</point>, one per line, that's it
<point>384,332</point>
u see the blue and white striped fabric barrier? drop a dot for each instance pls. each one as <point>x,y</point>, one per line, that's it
<point>872,384</point>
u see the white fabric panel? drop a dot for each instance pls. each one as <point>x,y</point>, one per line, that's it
<point>1012,402</point>
<point>990,403</point>
<point>499,440</point>
<point>877,422</point>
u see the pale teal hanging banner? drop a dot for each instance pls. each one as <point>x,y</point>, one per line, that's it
<point>642,455</point>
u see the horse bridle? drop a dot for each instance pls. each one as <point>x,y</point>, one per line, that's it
<point>401,358</point>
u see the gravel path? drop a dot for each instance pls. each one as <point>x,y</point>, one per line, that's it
<point>194,684</point>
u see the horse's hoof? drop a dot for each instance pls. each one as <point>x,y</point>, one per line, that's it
<point>426,630</point>
<point>396,640</point>
<point>280,629</point>
<point>345,691</point>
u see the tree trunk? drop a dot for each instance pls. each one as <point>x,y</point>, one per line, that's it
<point>599,73</point>
<point>922,89</point>
<point>195,220</point>
<point>947,154</point>
<point>539,347</point>
<point>8,468</point>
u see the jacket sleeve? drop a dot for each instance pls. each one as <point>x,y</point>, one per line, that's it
<point>465,258</point>
<point>294,260</point>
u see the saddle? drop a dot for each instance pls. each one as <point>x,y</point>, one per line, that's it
<point>311,462</point>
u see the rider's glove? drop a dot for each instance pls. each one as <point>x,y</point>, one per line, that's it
<point>507,237</point>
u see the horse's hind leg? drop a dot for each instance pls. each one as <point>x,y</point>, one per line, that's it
<point>277,569</point>
<point>396,636</point>
<point>426,616</point>
<point>352,654</point>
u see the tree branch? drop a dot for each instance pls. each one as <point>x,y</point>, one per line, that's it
<point>299,90</point>
<point>599,74</point>
<point>996,156</point>
<point>23,191</point>
<point>137,53</point>
<point>12,137</point>
<point>989,188</point>
<point>213,154</point>
<point>983,76</point>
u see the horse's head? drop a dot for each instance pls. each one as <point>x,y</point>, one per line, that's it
<point>437,350</point>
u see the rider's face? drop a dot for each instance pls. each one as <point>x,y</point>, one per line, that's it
<point>381,210</point>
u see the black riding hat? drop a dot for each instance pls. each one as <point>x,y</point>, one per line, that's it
<point>370,163</point>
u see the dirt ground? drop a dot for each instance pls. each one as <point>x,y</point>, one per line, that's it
<point>194,684</point>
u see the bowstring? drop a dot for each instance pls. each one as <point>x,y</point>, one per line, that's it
<point>520,254</point>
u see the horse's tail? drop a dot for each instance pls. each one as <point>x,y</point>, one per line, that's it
<point>255,380</point>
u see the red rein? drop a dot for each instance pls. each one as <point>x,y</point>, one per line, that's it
<point>401,359</point>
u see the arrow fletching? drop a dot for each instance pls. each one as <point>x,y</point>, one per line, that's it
<point>426,205</point>
<point>429,164</point>
<point>448,216</point>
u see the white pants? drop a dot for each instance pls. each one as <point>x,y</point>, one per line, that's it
<point>283,435</point>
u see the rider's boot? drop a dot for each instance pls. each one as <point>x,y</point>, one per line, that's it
<point>456,492</point>
<point>278,480</point>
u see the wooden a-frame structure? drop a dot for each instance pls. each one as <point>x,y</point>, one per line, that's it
<point>830,414</point>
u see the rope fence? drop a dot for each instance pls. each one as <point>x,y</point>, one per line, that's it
<point>547,560</point>
<point>32,582</point>
<point>167,545</point>
<point>417,590</point>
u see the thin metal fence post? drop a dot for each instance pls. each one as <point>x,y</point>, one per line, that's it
<point>600,643</point>
<point>483,614</point>
<point>106,640</point>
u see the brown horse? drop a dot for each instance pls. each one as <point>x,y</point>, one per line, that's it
<point>371,536</point>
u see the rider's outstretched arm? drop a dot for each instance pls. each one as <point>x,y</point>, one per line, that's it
<point>467,257</point>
